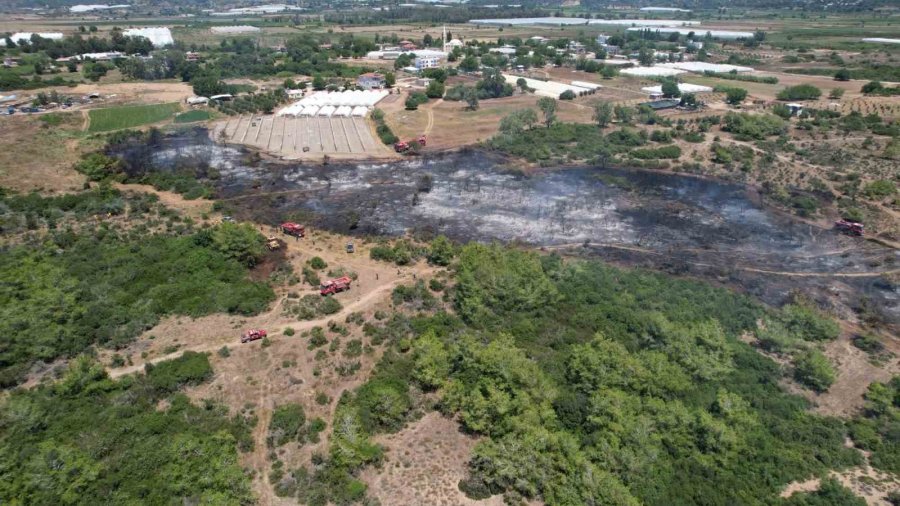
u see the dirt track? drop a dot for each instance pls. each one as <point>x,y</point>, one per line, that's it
<point>270,320</point>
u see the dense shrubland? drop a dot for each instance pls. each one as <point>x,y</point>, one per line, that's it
<point>86,281</point>
<point>87,437</point>
<point>592,385</point>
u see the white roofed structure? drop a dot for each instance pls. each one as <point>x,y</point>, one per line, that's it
<point>26,37</point>
<point>654,71</point>
<point>314,103</point>
<point>701,67</point>
<point>699,32</point>
<point>664,9</point>
<point>881,40</point>
<point>682,87</point>
<point>159,35</point>
<point>343,111</point>
<point>327,111</point>
<point>95,7</point>
<point>551,89</point>
<point>360,111</point>
<point>553,21</point>
<point>234,29</point>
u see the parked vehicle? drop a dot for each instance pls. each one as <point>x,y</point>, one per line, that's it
<point>253,335</point>
<point>849,227</point>
<point>294,229</point>
<point>336,285</point>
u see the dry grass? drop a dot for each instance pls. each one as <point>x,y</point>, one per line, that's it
<point>35,155</point>
<point>423,465</point>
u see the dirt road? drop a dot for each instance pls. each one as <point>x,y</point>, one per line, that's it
<point>270,320</point>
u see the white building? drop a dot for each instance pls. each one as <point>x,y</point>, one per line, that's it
<point>504,50</point>
<point>429,62</point>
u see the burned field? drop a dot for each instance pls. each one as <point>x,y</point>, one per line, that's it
<point>678,224</point>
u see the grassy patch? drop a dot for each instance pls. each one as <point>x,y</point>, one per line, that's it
<point>192,116</point>
<point>117,118</point>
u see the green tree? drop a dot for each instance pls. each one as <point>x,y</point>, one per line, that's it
<point>469,64</point>
<point>522,84</point>
<point>318,82</point>
<point>432,361</point>
<point>471,98</point>
<point>441,250</point>
<point>603,113</point>
<point>623,113</point>
<point>239,241</point>
<point>734,96</point>
<point>800,92</point>
<point>390,79</point>
<point>518,121</point>
<point>207,86</point>
<point>842,75</point>
<point>670,89</point>
<point>547,106</point>
<point>435,89</point>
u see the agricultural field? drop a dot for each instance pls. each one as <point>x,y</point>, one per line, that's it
<point>193,116</point>
<point>130,116</point>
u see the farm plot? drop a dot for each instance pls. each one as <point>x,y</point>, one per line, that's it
<point>129,116</point>
<point>298,137</point>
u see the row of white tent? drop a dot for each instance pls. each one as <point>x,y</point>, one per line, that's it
<point>349,103</point>
<point>327,111</point>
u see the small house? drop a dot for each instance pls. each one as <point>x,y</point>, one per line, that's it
<point>371,81</point>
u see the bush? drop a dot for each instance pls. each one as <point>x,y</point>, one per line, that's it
<point>414,100</point>
<point>811,368</point>
<point>401,253</point>
<point>191,368</point>
<point>868,343</point>
<point>382,129</point>
<point>567,95</point>
<point>782,111</point>
<point>665,152</point>
<point>800,92</point>
<point>754,126</point>
<point>286,423</point>
<point>880,189</point>
<point>317,263</point>
<point>98,167</point>
<point>329,305</point>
